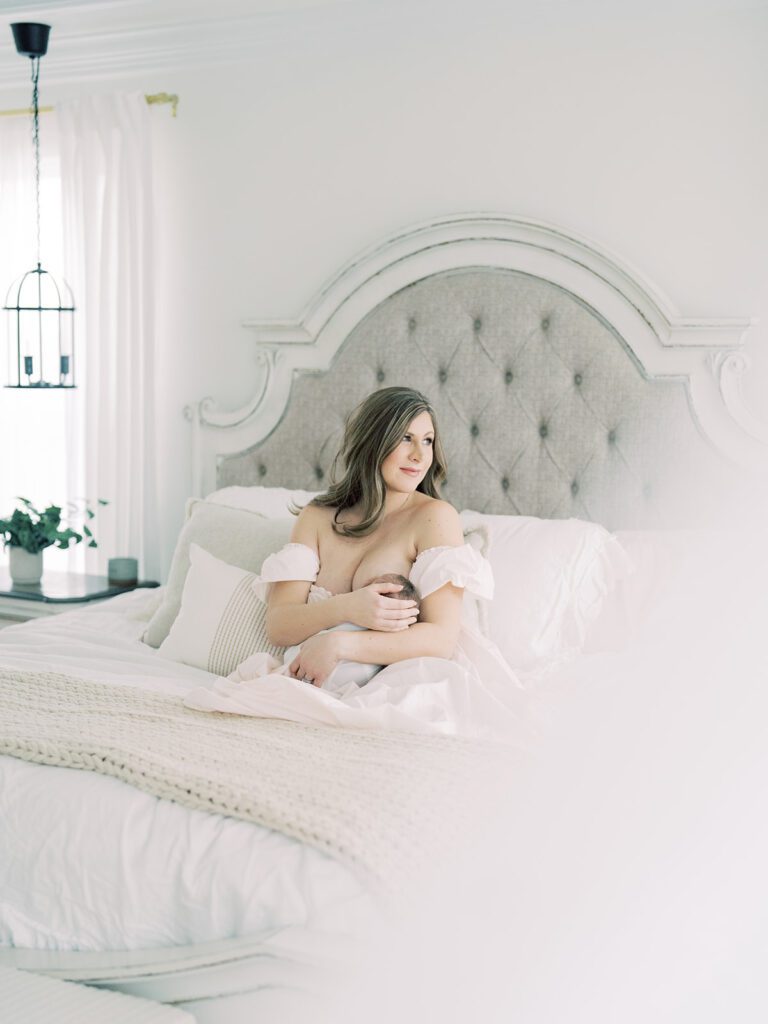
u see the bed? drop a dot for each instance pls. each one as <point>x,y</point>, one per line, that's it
<point>596,440</point>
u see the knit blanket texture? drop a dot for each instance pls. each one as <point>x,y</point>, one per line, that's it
<point>383,802</point>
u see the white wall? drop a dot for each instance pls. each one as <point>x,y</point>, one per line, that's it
<point>645,134</point>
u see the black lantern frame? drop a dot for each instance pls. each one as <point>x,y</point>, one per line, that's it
<point>43,329</point>
<point>40,311</point>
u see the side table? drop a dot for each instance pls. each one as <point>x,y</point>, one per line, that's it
<point>57,592</point>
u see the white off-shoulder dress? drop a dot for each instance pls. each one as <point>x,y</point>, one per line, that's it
<point>474,693</point>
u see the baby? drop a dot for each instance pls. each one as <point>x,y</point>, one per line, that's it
<point>346,672</point>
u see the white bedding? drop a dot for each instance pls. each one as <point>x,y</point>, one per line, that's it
<point>625,881</point>
<point>124,870</point>
<point>635,822</point>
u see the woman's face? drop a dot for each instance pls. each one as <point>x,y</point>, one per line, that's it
<point>404,468</point>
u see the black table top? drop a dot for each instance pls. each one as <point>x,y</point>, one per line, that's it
<point>64,587</point>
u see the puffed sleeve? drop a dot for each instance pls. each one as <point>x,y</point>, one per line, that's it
<point>462,566</point>
<point>292,562</point>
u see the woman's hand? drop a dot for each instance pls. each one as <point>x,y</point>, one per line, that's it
<point>317,658</point>
<point>371,608</point>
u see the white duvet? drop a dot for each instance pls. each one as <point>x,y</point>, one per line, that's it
<point>90,863</point>
<point>625,881</point>
<point>636,825</point>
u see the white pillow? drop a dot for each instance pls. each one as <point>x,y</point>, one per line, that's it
<point>551,578</point>
<point>238,537</point>
<point>271,502</point>
<point>221,621</point>
<point>665,563</point>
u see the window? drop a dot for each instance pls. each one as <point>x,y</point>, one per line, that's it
<point>36,427</point>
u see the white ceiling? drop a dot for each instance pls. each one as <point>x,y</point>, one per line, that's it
<point>71,15</point>
<point>101,38</point>
<point>96,38</point>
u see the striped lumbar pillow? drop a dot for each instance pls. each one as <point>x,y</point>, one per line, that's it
<point>221,621</point>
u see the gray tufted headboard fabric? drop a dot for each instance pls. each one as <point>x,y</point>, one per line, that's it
<point>543,406</point>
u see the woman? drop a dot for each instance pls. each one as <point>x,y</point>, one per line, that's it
<point>379,518</point>
<point>383,516</point>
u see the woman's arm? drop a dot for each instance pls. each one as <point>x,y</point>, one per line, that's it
<point>290,620</point>
<point>436,632</point>
<point>434,635</point>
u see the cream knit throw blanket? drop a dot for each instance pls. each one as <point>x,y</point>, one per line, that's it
<point>385,802</point>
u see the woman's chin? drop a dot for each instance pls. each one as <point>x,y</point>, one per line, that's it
<point>409,481</point>
<point>404,487</point>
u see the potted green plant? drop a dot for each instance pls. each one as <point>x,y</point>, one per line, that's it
<point>28,531</point>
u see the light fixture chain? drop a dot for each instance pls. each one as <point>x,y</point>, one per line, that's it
<point>44,331</point>
<point>36,140</point>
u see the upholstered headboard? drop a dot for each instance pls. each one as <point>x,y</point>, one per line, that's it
<point>542,398</point>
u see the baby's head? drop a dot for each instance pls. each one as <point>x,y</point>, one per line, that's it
<point>408,592</point>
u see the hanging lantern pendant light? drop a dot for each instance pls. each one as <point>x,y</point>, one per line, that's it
<point>40,311</point>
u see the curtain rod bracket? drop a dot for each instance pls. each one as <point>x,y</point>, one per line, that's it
<point>164,97</point>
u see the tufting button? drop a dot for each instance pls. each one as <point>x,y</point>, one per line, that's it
<point>442,375</point>
<point>504,483</point>
<point>319,472</point>
<point>380,375</point>
<point>543,430</point>
<point>478,323</point>
<point>474,430</point>
<point>575,488</point>
<point>508,376</point>
<point>262,469</point>
<point>412,322</point>
<point>545,323</point>
<point>577,379</point>
<point>611,437</point>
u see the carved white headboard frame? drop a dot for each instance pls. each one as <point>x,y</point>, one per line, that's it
<point>706,353</point>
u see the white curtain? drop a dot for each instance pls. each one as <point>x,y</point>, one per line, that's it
<point>33,441</point>
<point>106,180</point>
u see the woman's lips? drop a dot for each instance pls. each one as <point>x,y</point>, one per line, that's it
<point>411,472</point>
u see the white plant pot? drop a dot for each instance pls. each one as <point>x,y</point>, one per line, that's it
<point>24,566</point>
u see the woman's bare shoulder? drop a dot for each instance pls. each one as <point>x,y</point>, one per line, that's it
<point>309,524</point>
<point>437,523</point>
<point>313,513</point>
<point>435,510</point>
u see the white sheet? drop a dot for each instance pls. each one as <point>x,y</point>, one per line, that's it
<point>90,863</point>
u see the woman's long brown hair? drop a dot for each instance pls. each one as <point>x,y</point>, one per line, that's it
<point>372,431</point>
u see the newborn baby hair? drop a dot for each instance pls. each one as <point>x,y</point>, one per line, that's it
<point>408,593</point>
